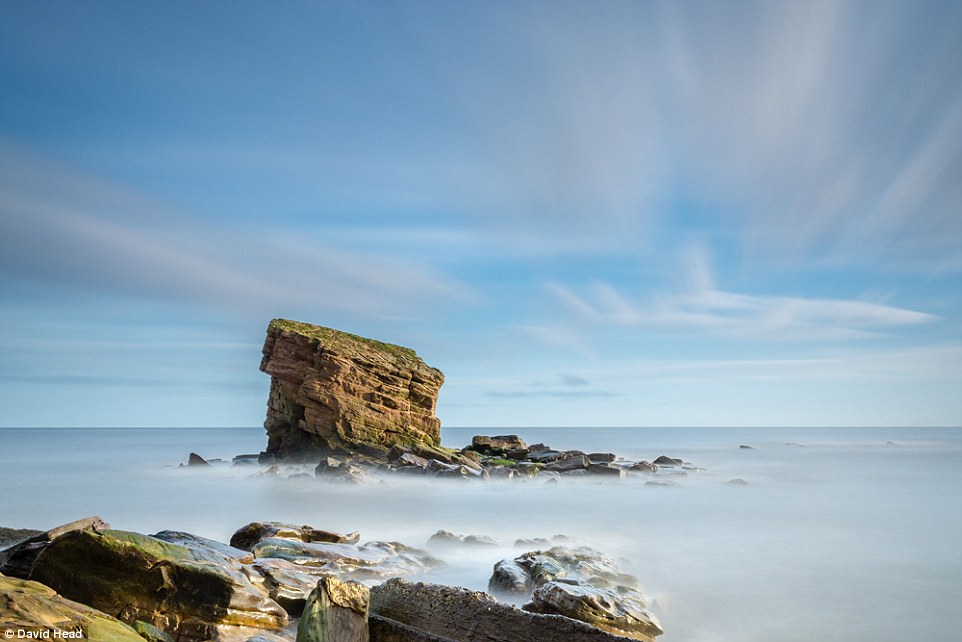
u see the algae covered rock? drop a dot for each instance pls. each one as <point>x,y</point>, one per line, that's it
<point>335,612</point>
<point>332,391</point>
<point>454,613</point>
<point>18,560</point>
<point>617,610</point>
<point>579,583</point>
<point>34,608</point>
<point>187,592</point>
<point>246,537</point>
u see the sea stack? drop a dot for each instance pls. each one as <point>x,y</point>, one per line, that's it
<point>334,392</point>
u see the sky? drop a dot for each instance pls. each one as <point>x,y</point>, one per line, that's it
<point>583,213</point>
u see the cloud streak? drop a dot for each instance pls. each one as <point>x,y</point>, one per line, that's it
<point>68,230</point>
<point>704,308</point>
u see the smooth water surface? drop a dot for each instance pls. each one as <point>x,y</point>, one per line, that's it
<point>839,534</point>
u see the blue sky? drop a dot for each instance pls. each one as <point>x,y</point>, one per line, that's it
<point>584,213</point>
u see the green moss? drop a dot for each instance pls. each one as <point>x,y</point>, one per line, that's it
<point>501,462</point>
<point>344,340</point>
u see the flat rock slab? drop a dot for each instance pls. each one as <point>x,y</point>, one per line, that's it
<point>460,615</point>
<point>187,592</point>
<point>32,607</point>
<point>18,560</point>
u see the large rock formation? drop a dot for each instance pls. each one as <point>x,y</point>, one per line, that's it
<point>332,392</point>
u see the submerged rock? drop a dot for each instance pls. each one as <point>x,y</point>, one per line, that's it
<point>336,392</point>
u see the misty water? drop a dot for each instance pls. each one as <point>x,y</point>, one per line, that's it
<point>839,534</point>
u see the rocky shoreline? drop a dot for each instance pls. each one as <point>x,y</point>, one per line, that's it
<point>287,583</point>
<point>341,408</point>
<point>500,457</point>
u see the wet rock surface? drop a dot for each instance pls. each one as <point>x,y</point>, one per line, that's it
<point>187,591</point>
<point>335,612</point>
<point>33,607</point>
<point>579,583</point>
<point>459,615</point>
<point>174,585</point>
<point>18,560</point>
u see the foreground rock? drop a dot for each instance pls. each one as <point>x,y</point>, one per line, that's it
<point>335,612</point>
<point>578,583</point>
<point>291,559</point>
<point>336,392</point>
<point>32,607</point>
<point>187,592</point>
<point>247,537</point>
<point>459,615</point>
<point>18,560</point>
<point>178,586</point>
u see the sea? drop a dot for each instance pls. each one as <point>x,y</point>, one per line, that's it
<point>848,534</point>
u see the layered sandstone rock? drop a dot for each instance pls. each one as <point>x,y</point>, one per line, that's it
<point>34,610</point>
<point>332,392</point>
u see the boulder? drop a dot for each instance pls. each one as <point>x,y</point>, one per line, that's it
<point>246,537</point>
<point>456,614</point>
<point>335,612</point>
<point>614,610</point>
<point>602,458</point>
<point>447,538</point>
<point>288,583</point>
<point>35,608</point>
<point>665,460</point>
<point>568,463</point>
<point>579,583</point>
<point>509,578</point>
<point>497,445</point>
<point>336,392</point>
<point>196,460</point>
<point>188,592</point>
<point>374,561</point>
<point>544,456</point>
<point>606,470</point>
<point>18,560</point>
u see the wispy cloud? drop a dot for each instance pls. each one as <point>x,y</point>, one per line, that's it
<point>703,307</point>
<point>851,365</point>
<point>69,230</point>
